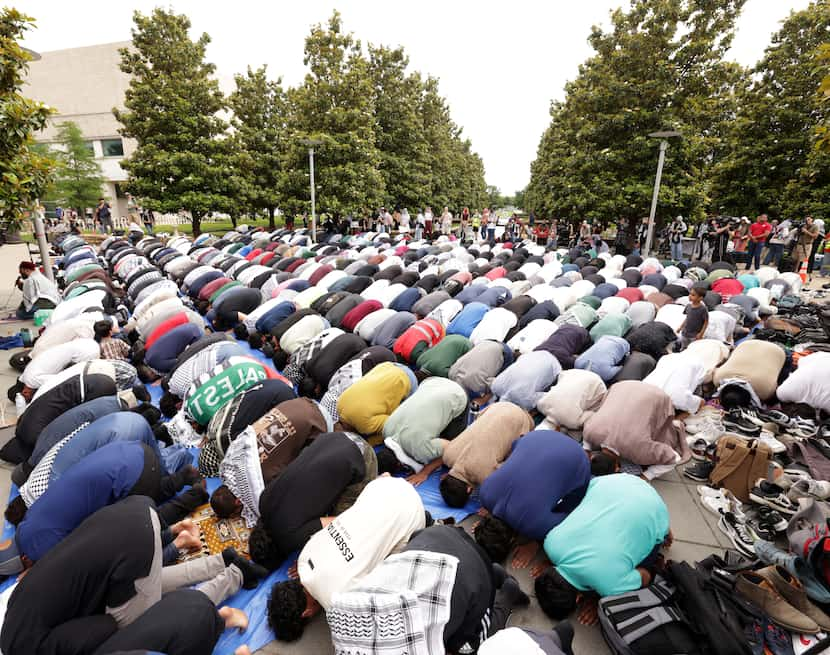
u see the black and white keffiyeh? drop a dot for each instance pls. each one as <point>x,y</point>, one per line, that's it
<point>344,377</point>
<point>401,608</point>
<point>241,471</point>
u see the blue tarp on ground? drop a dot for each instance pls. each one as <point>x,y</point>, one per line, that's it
<point>254,602</point>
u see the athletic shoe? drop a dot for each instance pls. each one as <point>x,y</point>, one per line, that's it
<point>774,445</point>
<point>699,449</point>
<point>699,471</point>
<point>737,423</point>
<point>719,501</point>
<point>780,418</point>
<point>771,495</point>
<point>763,530</point>
<point>772,518</point>
<point>739,533</point>
<point>749,415</point>
<point>804,488</point>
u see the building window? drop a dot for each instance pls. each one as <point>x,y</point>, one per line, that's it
<point>112,147</point>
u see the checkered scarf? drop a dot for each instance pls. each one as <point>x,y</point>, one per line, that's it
<point>241,471</point>
<point>401,608</point>
<point>40,477</point>
<point>343,378</point>
<point>295,370</point>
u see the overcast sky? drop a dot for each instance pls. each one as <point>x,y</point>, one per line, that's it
<point>500,63</point>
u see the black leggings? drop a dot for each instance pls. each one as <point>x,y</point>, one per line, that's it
<point>163,489</point>
<point>183,622</point>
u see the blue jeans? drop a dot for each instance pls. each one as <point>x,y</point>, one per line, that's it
<point>775,252</point>
<point>491,233</point>
<point>753,254</point>
<point>677,251</point>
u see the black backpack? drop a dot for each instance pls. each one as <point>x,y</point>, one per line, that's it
<point>686,611</point>
<point>647,621</point>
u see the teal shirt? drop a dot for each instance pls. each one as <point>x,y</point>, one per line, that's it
<point>616,526</point>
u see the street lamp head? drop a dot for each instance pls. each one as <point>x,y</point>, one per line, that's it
<point>665,134</point>
<point>311,142</point>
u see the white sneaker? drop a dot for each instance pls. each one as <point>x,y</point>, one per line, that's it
<point>805,488</point>
<point>775,446</point>
<point>719,501</point>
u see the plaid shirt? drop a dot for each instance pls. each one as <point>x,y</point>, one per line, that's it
<point>114,349</point>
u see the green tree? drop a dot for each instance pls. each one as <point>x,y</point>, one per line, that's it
<point>25,172</point>
<point>772,165</point>
<point>404,154</point>
<point>259,119</point>
<point>78,179</point>
<point>659,66</point>
<point>335,106</point>
<point>182,159</point>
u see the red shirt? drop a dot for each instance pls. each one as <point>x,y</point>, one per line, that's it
<point>759,231</point>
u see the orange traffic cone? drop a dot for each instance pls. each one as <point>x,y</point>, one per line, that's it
<point>802,272</point>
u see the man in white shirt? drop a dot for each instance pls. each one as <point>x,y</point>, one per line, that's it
<point>386,514</point>
<point>39,292</point>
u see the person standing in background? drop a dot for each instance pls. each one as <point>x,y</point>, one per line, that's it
<point>446,221</point>
<point>428,221</point>
<point>818,243</point>
<point>804,245</point>
<point>778,239</point>
<point>677,230</point>
<point>485,219</point>
<point>103,215</point>
<point>758,233</point>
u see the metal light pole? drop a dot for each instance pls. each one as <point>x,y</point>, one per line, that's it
<point>311,143</point>
<point>43,245</point>
<point>668,134</point>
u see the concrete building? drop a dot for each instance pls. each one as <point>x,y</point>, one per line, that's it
<point>83,85</point>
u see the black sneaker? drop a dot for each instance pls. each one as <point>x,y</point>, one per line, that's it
<point>771,495</point>
<point>699,471</point>
<point>734,422</point>
<point>740,534</point>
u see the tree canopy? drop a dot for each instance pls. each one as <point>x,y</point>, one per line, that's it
<point>383,134</point>
<point>172,110</point>
<point>25,171</point>
<point>78,178</point>
<point>659,67</point>
<point>750,139</point>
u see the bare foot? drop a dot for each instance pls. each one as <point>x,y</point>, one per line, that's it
<point>187,541</point>
<point>482,511</point>
<point>292,572</point>
<point>242,650</point>
<point>234,618</point>
<point>524,554</point>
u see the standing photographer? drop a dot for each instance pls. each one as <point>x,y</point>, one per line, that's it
<point>777,240</point>
<point>804,243</point>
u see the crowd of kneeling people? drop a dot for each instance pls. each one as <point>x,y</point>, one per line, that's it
<point>384,360</point>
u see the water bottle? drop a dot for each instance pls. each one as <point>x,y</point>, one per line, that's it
<point>474,412</point>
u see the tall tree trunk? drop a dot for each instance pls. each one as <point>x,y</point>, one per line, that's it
<point>197,223</point>
<point>271,225</point>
